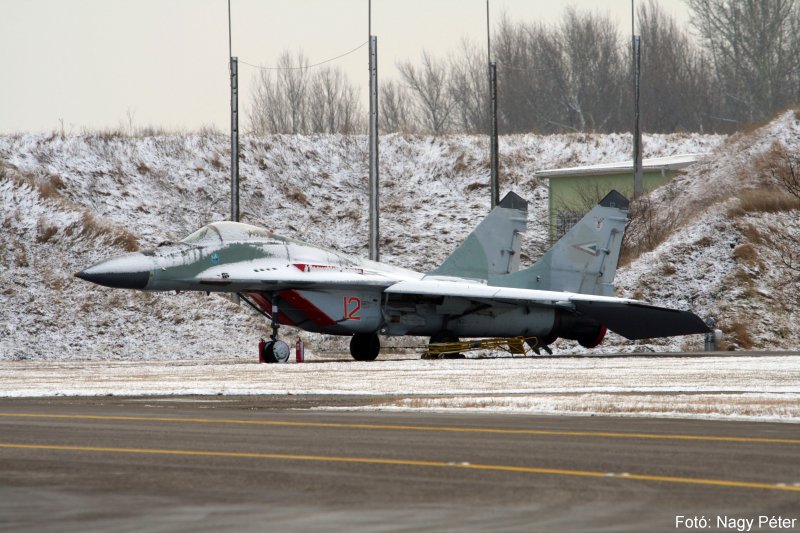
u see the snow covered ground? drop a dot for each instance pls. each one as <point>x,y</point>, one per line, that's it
<point>765,387</point>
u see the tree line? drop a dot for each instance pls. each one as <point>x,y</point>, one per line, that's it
<point>738,63</point>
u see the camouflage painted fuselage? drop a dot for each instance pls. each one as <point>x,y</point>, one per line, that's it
<point>315,288</point>
<point>477,292</point>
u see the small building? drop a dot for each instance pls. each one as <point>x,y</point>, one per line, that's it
<point>574,191</point>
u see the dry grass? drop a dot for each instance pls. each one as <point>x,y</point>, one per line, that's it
<point>458,165</point>
<point>767,200</point>
<point>44,231</point>
<point>751,233</point>
<point>738,332</point>
<point>21,259</point>
<point>751,127</point>
<point>650,225</point>
<point>90,227</point>
<point>779,167</point>
<point>50,188</point>
<point>668,269</point>
<point>476,185</point>
<point>296,195</point>
<point>746,253</point>
<point>352,214</point>
<point>216,162</point>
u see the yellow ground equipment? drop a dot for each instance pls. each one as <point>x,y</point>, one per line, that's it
<point>513,345</point>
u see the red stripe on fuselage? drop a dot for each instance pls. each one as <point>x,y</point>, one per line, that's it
<point>307,309</point>
<point>264,303</point>
<point>297,303</point>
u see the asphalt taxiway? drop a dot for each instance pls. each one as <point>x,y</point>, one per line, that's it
<point>270,463</point>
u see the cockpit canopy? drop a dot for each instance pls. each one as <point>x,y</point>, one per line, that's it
<point>219,232</point>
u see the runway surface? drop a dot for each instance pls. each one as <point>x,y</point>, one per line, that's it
<point>269,463</point>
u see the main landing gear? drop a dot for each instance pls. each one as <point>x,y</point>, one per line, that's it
<point>274,350</point>
<point>365,346</point>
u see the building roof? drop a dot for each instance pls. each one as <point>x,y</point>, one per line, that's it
<point>663,164</point>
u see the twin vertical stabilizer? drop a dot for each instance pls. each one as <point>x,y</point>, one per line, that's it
<point>585,259</point>
<point>492,249</point>
<point>582,261</point>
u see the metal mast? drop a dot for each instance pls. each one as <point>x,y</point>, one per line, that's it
<point>374,229</point>
<point>494,180</point>
<point>234,72</point>
<point>638,185</point>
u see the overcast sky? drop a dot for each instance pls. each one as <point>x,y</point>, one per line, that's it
<point>102,63</point>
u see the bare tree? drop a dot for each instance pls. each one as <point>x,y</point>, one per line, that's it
<point>469,89</point>
<point>293,83</point>
<point>567,77</point>
<point>333,105</point>
<point>395,114</point>
<point>279,96</point>
<point>294,99</point>
<point>755,49</point>
<point>527,99</point>
<point>429,85</point>
<point>675,89</point>
<point>268,105</point>
<point>588,49</point>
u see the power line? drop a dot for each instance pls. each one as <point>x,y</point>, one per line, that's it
<point>307,66</point>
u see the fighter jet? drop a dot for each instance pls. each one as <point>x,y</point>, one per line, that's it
<point>478,291</point>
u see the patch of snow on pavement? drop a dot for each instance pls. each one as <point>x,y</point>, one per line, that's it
<point>720,386</point>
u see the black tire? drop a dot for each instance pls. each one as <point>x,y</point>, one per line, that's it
<point>365,346</point>
<point>265,353</point>
<point>276,352</point>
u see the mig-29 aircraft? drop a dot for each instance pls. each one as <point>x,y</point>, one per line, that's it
<point>478,291</point>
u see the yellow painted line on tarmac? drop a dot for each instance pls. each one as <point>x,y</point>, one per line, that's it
<point>336,425</point>
<point>409,462</point>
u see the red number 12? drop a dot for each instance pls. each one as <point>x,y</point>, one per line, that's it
<point>352,305</point>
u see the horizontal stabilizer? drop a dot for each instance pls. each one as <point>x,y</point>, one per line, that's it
<point>637,321</point>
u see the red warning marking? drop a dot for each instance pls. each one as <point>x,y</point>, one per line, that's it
<point>306,267</point>
<point>307,308</point>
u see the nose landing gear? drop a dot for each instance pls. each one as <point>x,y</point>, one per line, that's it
<point>274,350</point>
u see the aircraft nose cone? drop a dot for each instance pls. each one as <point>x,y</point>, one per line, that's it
<point>116,280</point>
<point>131,271</point>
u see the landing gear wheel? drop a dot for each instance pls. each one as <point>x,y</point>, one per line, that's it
<point>365,346</point>
<point>276,352</point>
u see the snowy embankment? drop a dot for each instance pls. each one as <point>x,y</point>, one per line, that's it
<point>70,201</point>
<point>754,387</point>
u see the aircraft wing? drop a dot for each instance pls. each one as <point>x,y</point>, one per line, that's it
<point>630,318</point>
